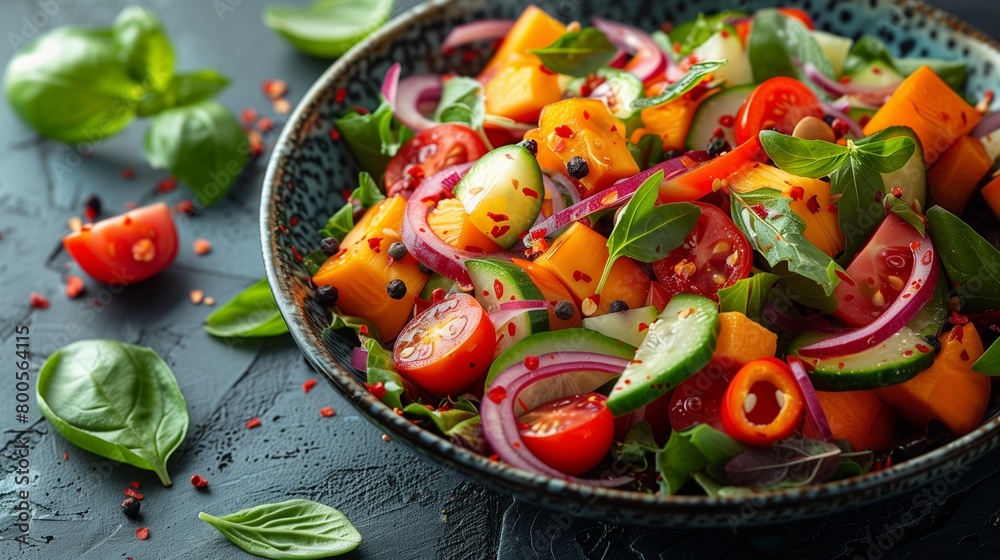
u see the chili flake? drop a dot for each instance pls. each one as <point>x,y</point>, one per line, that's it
<point>248,115</point>
<point>38,301</point>
<point>340,95</point>
<point>142,533</point>
<point>564,131</point>
<point>265,125</point>
<point>202,246</point>
<point>74,286</point>
<point>198,481</point>
<point>377,390</point>
<point>131,493</point>
<point>166,185</point>
<point>253,423</point>
<point>281,106</point>
<point>128,173</point>
<point>326,411</point>
<point>308,384</point>
<point>274,88</point>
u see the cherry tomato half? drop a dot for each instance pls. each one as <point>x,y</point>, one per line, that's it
<point>877,274</point>
<point>778,103</point>
<point>713,256</point>
<point>128,248</point>
<point>447,346</point>
<point>571,434</point>
<point>430,151</point>
<point>698,399</point>
<point>763,403</point>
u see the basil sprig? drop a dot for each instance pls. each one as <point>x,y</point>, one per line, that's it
<point>577,53</point>
<point>647,232</point>
<point>116,400</point>
<point>290,530</point>
<point>693,77</point>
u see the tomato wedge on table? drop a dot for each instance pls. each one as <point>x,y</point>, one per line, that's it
<point>779,104</point>
<point>428,152</point>
<point>570,434</point>
<point>128,248</point>
<point>446,347</point>
<point>713,256</point>
<point>701,180</point>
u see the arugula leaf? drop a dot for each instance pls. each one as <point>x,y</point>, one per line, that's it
<point>804,158</point>
<point>796,461</point>
<point>778,45</point>
<point>444,420</point>
<point>972,263</point>
<point>989,362</point>
<point>144,47</point>
<point>373,138</point>
<point>639,442</point>
<point>864,52</point>
<point>691,451</point>
<point>688,81</point>
<point>381,369</point>
<point>647,232</point>
<point>368,193</point>
<point>900,208</point>
<point>577,53</point>
<point>252,313</point>
<point>290,530</point>
<point>693,33</point>
<point>775,231</point>
<point>341,320</point>
<point>116,400</point>
<point>748,295</point>
<point>327,28</point>
<point>340,224</point>
<point>462,102</point>
<point>469,434</point>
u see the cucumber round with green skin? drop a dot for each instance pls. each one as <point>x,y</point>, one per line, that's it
<point>679,343</point>
<point>628,326</point>
<point>564,340</point>
<point>912,177</point>
<point>875,75</point>
<point>503,193</point>
<point>929,320</point>
<point>618,90</point>
<point>434,282</point>
<point>495,281</point>
<point>716,108</point>
<point>895,360</point>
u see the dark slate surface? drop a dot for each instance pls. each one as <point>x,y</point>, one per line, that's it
<point>404,507</point>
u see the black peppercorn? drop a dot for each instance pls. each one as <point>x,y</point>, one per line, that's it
<point>531,146</point>
<point>423,268</point>
<point>327,296</point>
<point>828,119</point>
<point>396,289</point>
<point>130,507</point>
<point>672,154</point>
<point>618,306</point>
<point>397,251</point>
<point>718,146</point>
<point>92,207</point>
<point>577,167</point>
<point>330,246</point>
<point>565,310</point>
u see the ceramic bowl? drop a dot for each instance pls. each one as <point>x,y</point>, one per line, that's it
<point>308,171</point>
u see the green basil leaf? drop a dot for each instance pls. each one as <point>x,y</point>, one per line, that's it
<point>184,89</point>
<point>313,260</point>
<point>859,207</point>
<point>328,28</point>
<point>989,362</point>
<point>748,295</point>
<point>340,224</point>
<point>68,84</point>
<point>144,47</point>
<point>864,52</point>
<point>367,193</point>
<point>691,451</point>
<point>902,209</point>
<point>885,156</point>
<point>252,313</point>
<point>444,420</point>
<point>341,320</point>
<point>294,529</point>
<point>469,434</point>
<point>972,263</point>
<point>793,287</point>
<point>577,53</point>
<point>202,145</point>
<point>778,45</point>
<point>796,461</point>
<point>688,81</point>
<point>462,102</point>
<point>692,33</point>
<point>775,231</point>
<point>115,400</point>
<point>639,443</point>
<point>647,232</point>
<point>374,137</point>
<point>381,369</point>
<point>804,158</point>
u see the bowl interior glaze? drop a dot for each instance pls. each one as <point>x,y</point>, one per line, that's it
<point>309,170</point>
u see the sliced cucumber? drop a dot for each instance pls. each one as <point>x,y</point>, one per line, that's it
<point>495,281</point>
<point>912,177</point>
<point>629,326</point>
<point>834,47</point>
<point>680,342</point>
<point>618,90</point>
<point>931,317</point>
<point>726,103</point>
<point>503,193</point>
<point>726,45</point>
<point>876,75</point>
<point>434,282</point>
<point>900,357</point>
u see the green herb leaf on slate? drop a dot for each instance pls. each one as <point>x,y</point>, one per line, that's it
<point>115,400</point>
<point>184,89</point>
<point>694,76</point>
<point>577,53</point>
<point>290,530</point>
<point>328,28</point>
<point>252,313</point>
<point>144,47</point>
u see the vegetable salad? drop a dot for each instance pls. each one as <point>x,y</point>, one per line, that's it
<point>734,255</point>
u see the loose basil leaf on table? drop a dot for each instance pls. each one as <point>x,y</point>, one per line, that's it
<point>202,145</point>
<point>293,529</point>
<point>143,47</point>
<point>184,89</point>
<point>328,28</point>
<point>688,81</point>
<point>373,137</point>
<point>115,400</point>
<point>972,263</point>
<point>578,53</point>
<point>778,45</point>
<point>70,85</point>
<point>252,313</point>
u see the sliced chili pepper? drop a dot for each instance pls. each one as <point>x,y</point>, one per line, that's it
<point>763,403</point>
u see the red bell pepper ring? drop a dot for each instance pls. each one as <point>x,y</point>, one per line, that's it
<point>741,399</point>
<point>712,175</point>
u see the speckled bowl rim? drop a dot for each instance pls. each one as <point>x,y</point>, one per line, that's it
<point>515,481</point>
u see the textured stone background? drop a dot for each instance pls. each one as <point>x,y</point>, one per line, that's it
<point>404,507</point>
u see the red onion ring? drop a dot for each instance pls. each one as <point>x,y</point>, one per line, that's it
<point>815,417</point>
<point>511,309</point>
<point>482,30</point>
<point>500,424</point>
<point>876,97</point>
<point>989,123</point>
<point>635,41</point>
<point>918,291</point>
<point>359,358</point>
<point>405,97</point>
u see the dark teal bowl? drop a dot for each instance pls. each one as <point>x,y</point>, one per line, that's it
<point>308,171</point>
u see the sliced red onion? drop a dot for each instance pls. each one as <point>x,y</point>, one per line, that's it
<point>619,60</point>
<point>918,291</point>
<point>359,359</point>
<point>567,187</point>
<point>815,417</point>
<point>424,244</point>
<point>558,202</point>
<point>406,96</point>
<point>499,422</point>
<point>613,196</point>
<point>390,84</point>
<point>874,97</point>
<point>511,309</point>
<point>990,122</point>
<point>791,323</point>
<point>483,30</point>
<point>831,109</point>
<point>635,41</point>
